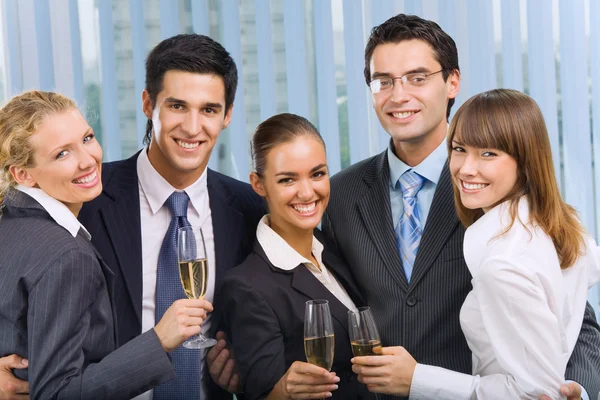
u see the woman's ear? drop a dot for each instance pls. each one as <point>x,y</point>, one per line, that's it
<point>22,176</point>
<point>257,184</point>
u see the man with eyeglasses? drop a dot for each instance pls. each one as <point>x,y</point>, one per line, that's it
<point>393,218</point>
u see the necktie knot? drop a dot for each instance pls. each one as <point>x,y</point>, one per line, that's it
<point>410,183</point>
<point>177,203</point>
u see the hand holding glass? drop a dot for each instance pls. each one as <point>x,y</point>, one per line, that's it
<point>319,339</point>
<point>193,272</point>
<point>364,336</point>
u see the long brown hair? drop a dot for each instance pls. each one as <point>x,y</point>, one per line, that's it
<point>510,121</point>
<point>19,119</point>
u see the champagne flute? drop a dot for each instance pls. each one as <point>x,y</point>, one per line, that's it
<point>364,337</point>
<point>318,334</point>
<point>193,272</point>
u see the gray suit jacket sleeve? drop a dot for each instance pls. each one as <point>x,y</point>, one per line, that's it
<point>584,364</point>
<point>63,314</point>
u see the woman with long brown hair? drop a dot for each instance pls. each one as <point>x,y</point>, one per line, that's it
<point>531,260</point>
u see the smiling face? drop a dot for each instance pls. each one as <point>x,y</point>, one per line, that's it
<point>484,177</point>
<point>415,118</point>
<point>295,183</point>
<point>187,118</point>
<point>67,160</point>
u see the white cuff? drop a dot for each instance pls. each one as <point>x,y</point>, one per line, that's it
<point>431,382</point>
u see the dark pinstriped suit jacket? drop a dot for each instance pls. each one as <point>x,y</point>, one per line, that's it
<point>113,220</point>
<point>56,310</point>
<point>423,315</point>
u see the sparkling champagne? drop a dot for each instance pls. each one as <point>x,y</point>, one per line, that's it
<point>194,277</point>
<point>319,351</point>
<point>366,348</point>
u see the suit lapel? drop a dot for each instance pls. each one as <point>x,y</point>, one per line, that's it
<point>306,283</point>
<point>109,276</point>
<point>122,219</point>
<point>228,227</point>
<point>440,224</point>
<point>341,271</point>
<point>375,210</point>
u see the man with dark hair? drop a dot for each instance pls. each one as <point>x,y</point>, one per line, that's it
<point>393,217</point>
<point>191,82</point>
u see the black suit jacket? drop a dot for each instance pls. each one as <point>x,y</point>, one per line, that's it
<point>262,310</point>
<point>113,220</point>
<point>422,315</point>
<point>57,311</point>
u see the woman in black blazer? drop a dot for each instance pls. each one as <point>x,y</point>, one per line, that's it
<point>262,301</point>
<point>56,307</point>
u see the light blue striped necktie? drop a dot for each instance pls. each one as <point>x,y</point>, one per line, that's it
<point>187,384</point>
<point>409,228</point>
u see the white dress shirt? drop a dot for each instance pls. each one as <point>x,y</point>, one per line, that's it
<point>57,210</point>
<point>155,219</point>
<point>284,257</point>
<point>523,316</point>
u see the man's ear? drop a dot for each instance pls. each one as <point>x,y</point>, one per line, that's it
<point>22,176</point>
<point>453,84</point>
<point>227,118</point>
<point>147,104</point>
<point>257,184</point>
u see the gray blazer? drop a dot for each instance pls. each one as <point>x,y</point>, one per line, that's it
<point>56,310</point>
<point>423,315</point>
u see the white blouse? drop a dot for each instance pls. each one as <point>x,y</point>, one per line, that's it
<point>523,316</point>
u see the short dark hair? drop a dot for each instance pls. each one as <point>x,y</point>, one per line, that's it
<point>190,53</point>
<point>408,27</point>
<point>280,128</point>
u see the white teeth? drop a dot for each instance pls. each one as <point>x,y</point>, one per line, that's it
<point>474,186</point>
<point>88,178</point>
<point>305,209</point>
<point>403,114</point>
<point>187,145</point>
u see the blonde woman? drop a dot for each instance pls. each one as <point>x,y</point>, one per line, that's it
<point>56,308</point>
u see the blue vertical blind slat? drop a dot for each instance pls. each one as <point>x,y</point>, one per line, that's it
<point>594,293</point>
<point>575,116</point>
<point>414,7</point>
<point>44,44</point>
<point>512,58</point>
<point>295,57</point>
<point>200,20</point>
<point>110,112</point>
<point>28,41</point>
<point>76,57</point>
<point>138,50</point>
<point>542,71</point>
<point>354,44</point>
<point>237,129</point>
<point>169,18</point>
<point>266,70</point>
<point>326,86</point>
<point>481,46</point>
<point>13,56</point>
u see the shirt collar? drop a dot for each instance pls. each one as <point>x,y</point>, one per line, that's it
<point>430,168</point>
<point>157,190</point>
<point>57,210</point>
<point>491,225</point>
<point>279,252</point>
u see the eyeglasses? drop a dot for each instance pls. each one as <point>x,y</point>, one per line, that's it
<point>409,81</point>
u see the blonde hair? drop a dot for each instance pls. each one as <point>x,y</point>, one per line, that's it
<point>512,122</point>
<point>19,119</point>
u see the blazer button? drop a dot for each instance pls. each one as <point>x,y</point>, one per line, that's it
<point>411,301</point>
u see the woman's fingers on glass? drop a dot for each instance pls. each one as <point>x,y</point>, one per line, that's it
<point>311,373</point>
